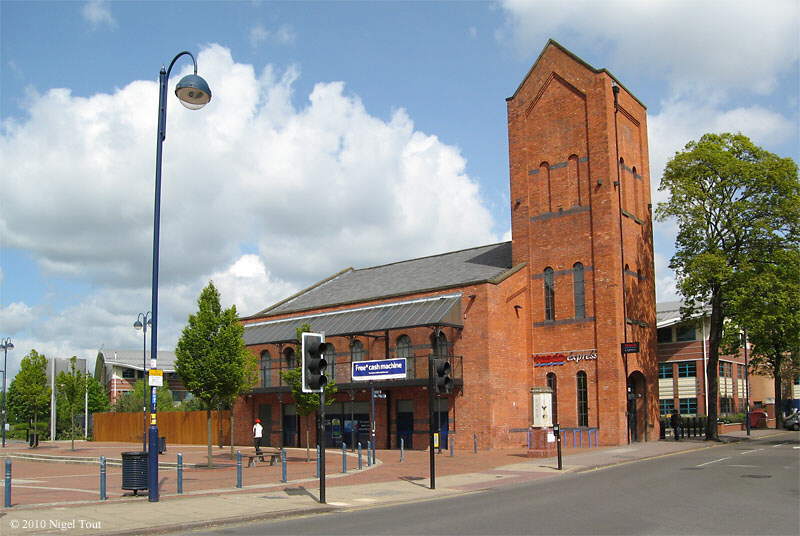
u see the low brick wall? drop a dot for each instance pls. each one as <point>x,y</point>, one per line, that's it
<point>732,427</point>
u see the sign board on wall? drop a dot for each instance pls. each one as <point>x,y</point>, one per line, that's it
<point>561,358</point>
<point>382,369</point>
<point>630,347</point>
<point>541,407</point>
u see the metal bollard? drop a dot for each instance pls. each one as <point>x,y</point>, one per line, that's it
<point>369,455</point>
<point>344,457</point>
<point>359,456</point>
<point>474,443</point>
<point>402,445</point>
<point>373,453</point>
<point>283,465</point>
<point>238,469</point>
<point>7,498</point>
<point>316,474</point>
<point>452,446</point>
<point>529,439</point>
<point>103,478</point>
<point>180,473</point>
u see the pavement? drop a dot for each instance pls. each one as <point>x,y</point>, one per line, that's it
<point>56,489</point>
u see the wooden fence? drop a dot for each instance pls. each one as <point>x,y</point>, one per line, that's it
<point>179,427</point>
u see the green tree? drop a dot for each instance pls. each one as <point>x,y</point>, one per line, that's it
<point>211,357</point>
<point>735,205</point>
<point>70,398</point>
<point>133,400</point>
<point>305,403</point>
<point>767,309</point>
<point>98,398</point>
<point>29,394</point>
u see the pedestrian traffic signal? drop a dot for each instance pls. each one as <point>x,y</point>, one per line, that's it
<point>442,381</point>
<point>313,348</point>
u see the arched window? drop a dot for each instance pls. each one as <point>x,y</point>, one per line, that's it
<point>357,351</point>
<point>439,345</point>
<point>552,383</point>
<point>404,350</point>
<point>578,290</point>
<point>549,295</point>
<point>583,399</point>
<point>266,369</point>
<point>289,358</point>
<point>330,357</point>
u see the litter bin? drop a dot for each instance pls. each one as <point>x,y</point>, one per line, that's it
<point>162,445</point>
<point>134,471</point>
<point>758,419</point>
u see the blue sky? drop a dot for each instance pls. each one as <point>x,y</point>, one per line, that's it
<point>388,116</point>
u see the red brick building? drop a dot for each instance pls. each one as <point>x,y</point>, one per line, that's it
<point>550,308</point>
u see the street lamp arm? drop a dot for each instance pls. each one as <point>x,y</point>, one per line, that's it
<point>184,53</point>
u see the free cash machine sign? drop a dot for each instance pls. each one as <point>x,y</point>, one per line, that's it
<point>384,369</point>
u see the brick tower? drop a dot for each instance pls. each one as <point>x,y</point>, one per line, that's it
<point>582,221</point>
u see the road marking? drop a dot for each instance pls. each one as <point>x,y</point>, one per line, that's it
<point>15,481</point>
<point>93,492</point>
<point>367,500</point>
<point>749,451</point>
<point>778,445</point>
<point>734,465</point>
<point>339,504</point>
<point>714,461</point>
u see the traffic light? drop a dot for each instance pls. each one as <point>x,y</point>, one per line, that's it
<point>442,381</point>
<point>314,348</point>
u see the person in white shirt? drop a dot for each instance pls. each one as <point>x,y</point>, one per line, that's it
<point>257,434</point>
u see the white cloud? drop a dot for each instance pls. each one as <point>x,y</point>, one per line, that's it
<point>16,317</point>
<point>706,45</point>
<point>98,13</point>
<point>259,35</point>
<point>311,190</point>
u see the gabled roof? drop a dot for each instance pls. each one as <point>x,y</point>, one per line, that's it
<point>556,44</point>
<point>489,263</point>
<point>134,359</point>
<point>429,311</point>
<point>669,313</point>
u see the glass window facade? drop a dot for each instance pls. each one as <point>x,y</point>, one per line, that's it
<point>687,369</point>
<point>688,406</point>
<point>578,290</point>
<point>665,370</point>
<point>665,334</point>
<point>666,406</point>
<point>583,399</point>
<point>266,369</point>
<point>685,332</point>
<point>549,295</point>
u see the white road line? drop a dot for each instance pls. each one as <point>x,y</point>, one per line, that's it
<point>734,465</point>
<point>93,492</point>
<point>713,461</point>
<point>778,445</point>
<point>749,451</point>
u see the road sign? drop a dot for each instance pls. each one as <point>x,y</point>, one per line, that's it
<point>383,369</point>
<point>156,377</point>
<point>630,347</point>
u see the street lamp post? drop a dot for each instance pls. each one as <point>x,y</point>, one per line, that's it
<point>746,384</point>
<point>142,322</point>
<point>193,92</point>
<point>6,345</point>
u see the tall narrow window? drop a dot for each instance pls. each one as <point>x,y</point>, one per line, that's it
<point>583,400</point>
<point>330,358</point>
<point>288,356</point>
<point>552,383</point>
<point>266,369</point>
<point>578,290</point>
<point>439,345</point>
<point>404,350</point>
<point>549,295</point>
<point>357,351</point>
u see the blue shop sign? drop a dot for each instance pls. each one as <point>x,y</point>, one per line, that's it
<point>383,369</point>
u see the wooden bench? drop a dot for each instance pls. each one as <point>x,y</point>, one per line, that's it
<point>253,456</point>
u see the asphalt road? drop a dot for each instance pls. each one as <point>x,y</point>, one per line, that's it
<point>741,488</point>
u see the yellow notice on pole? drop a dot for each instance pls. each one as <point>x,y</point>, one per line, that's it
<point>152,419</point>
<point>435,440</point>
<point>156,377</point>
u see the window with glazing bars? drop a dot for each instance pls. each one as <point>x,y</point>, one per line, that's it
<point>266,363</point>
<point>665,370</point>
<point>578,290</point>
<point>687,369</point>
<point>583,400</point>
<point>549,295</point>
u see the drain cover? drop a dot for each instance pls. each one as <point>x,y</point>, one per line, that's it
<point>756,476</point>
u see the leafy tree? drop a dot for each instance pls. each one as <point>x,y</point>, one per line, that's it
<point>211,357</point>
<point>767,309</point>
<point>71,395</point>
<point>735,205</point>
<point>133,400</point>
<point>29,394</point>
<point>305,403</point>
<point>98,398</point>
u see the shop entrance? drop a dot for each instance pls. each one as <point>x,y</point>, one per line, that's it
<point>405,423</point>
<point>347,422</point>
<point>289,425</point>
<point>265,415</point>
<point>637,406</point>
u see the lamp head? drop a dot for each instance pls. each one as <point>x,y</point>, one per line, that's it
<point>193,92</point>
<point>137,325</point>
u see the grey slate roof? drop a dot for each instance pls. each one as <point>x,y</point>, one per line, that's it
<point>133,359</point>
<point>447,270</point>
<point>669,313</point>
<point>434,310</point>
